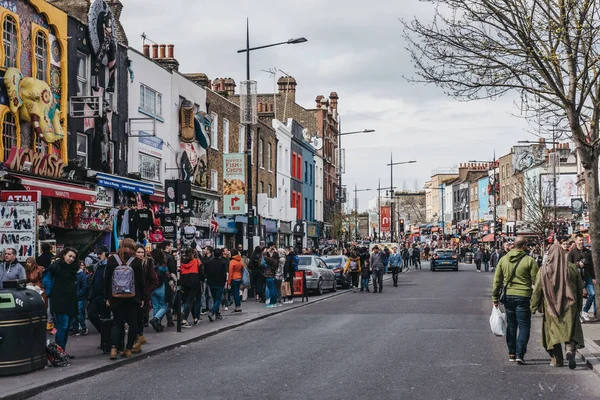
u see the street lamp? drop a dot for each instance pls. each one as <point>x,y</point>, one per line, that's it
<point>356,209</point>
<point>248,123</point>
<point>391,165</point>
<point>340,134</point>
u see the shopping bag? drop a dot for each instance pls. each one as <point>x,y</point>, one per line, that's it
<point>498,322</point>
<point>286,291</point>
<point>245,278</point>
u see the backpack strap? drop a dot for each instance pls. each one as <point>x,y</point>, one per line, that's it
<point>116,256</point>
<point>130,261</point>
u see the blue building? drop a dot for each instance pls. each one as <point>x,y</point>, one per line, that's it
<point>484,196</point>
<point>303,175</point>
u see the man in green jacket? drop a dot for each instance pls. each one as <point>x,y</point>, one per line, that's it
<point>518,296</point>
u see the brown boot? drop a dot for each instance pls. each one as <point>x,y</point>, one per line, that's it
<point>113,353</point>
<point>137,346</point>
<point>142,339</point>
<point>126,353</point>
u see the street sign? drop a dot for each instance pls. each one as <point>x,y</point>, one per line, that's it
<point>234,185</point>
<point>488,217</point>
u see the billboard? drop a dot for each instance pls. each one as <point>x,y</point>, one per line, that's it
<point>566,189</point>
<point>385,218</point>
<point>234,185</point>
<point>527,156</point>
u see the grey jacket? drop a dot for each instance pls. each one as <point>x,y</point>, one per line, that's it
<point>376,261</point>
<point>11,272</point>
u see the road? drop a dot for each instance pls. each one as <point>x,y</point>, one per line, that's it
<point>427,339</point>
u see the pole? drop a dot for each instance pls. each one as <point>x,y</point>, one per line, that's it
<point>339,163</point>
<point>391,198</point>
<point>379,211</point>
<point>355,212</point>
<point>443,222</point>
<point>496,184</point>
<point>249,145</point>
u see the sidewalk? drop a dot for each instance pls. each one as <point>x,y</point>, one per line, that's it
<point>90,361</point>
<point>591,353</point>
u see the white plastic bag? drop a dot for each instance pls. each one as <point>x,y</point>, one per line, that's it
<point>498,322</point>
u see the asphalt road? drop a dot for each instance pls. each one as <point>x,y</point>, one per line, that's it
<point>427,339</point>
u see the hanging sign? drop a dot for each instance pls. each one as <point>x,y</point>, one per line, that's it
<point>234,185</point>
<point>385,218</point>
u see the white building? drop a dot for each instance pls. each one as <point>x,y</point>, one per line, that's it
<point>319,174</point>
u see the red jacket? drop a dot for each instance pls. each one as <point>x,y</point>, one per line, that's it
<point>236,269</point>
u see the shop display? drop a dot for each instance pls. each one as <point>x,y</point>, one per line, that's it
<point>18,222</point>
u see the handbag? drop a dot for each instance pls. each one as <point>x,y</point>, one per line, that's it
<point>286,290</point>
<point>502,296</point>
<point>245,278</point>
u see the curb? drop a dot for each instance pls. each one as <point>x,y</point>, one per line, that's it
<point>587,355</point>
<point>23,394</point>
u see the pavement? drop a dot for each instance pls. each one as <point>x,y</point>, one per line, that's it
<point>89,360</point>
<point>429,338</point>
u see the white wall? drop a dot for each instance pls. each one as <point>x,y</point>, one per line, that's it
<point>319,177</point>
<point>282,210</point>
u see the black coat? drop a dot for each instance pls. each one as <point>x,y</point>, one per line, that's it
<point>138,271</point>
<point>216,272</point>
<point>44,259</point>
<point>63,299</point>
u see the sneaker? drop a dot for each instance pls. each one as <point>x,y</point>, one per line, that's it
<point>286,302</point>
<point>204,311</point>
<point>226,308</point>
<point>85,331</point>
<point>585,316</point>
<point>291,302</point>
<point>237,310</point>
<point>184,324</point>
<point>353,290</point>
<point>219,317</point>
<point>279,305</point>
<point>512,358</point>
<point>196,321</point>
<point>571,358</point>
<point>268,306</point>
<point>210,316</point>
<point>520,361</point>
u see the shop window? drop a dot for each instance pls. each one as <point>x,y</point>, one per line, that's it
<point>82,149</point>
<point>214,131</point>
<point>214,180</point>
<point>149,167</point>
<point>150,100</point>
<point>41,56</point>
<point>10,36</point>
<point>225,136</point>
<point>9,133</point>
<point>83,74</point>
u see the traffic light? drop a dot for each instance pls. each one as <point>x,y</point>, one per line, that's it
<point>498,227</point>
<point>401,226</point>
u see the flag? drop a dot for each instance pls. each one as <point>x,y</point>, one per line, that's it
<point>214,225</point>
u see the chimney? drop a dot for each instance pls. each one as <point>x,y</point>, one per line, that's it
<point>318,100</point>
<point>154,51</point>
<point>199,79</point>
<point>333,97</point>
<point>147,50</point>
<point>230,87</point>
<point>162,50</point>
<point>287,87</point>
<point>169,63</point>
<point>170,48</point>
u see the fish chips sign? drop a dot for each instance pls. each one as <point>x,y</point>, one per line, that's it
<point>234,185</point>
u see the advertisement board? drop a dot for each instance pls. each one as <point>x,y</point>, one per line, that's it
<point>234,185</point>
<point>386,220</point>
<point>566,189</point>
<point>18,224</point>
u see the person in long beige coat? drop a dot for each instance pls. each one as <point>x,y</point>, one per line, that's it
<point>558,293</point>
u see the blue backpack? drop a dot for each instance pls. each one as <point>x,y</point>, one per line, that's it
<point>296,262</point>
<point>48,281</point>
<point>263,262</point>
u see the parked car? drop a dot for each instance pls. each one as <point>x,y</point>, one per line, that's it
<point>444,259</point>
<point>318,276</point>
<point>337,264</point>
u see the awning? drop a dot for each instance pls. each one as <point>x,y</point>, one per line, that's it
<point>158,197</point>
<point>59,189</point>
<point>488,238</point>
<point>121,183</point>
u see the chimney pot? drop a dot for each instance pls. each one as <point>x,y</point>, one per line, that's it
<point>147,50</point>
<point>170,48</point>
<point>162,50</point>
<point>154,51</point>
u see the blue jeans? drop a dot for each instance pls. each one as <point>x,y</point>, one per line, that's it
<point>518,316</point>
<point>486,266</point>
<point>589,286</point>
<point>62,323</point>
<point>235,287</point>
<point>159,304</point>
<point>217,294</point>
<point>365,283</point>
<point>272,292</point>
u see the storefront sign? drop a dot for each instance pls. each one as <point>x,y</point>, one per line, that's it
<point>22,196</point>
<point>130,185</point>
<point>105,197</point>
<point>385,218</point>
<point>285,228</point>
<point>234,186</point>
<point>19,225</point>
<point>49,165</point>
<point>150,145</point>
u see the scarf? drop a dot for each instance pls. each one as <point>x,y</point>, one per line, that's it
<point>558,291</point>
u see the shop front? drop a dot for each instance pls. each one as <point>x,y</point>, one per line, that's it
<point>203,207</point>
<point>298,235</point>
<point>226,232</point>
<point>270,230</point>
<point>312,233</point>
<point>285,233</point>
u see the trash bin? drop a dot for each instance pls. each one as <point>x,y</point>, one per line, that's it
<point>22,331</point>
<point>469,258</point>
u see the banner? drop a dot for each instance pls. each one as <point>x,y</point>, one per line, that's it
<point>19,227</point>
<point>527,156</point>
<point>385,218</point>
<point>234,186</point>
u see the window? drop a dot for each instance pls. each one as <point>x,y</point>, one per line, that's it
<point>83,74</point>
<point>149,167</point>
<point>150,100</point>
<point>41,56</point>
<point>280,159</point>
<point>82,149</point>
<point>293,199</point>
<point>10,36</point>
<point>306,171</point>
<point>40,145</point>
<point>225,136</point>
<point>9,133</point>
<point>299,205</point>
<point>214,131</point>
<point>294,157</point>
<point>261,145</point>
<point>242,138</point>
<point>111,97</point>
<point>112,157</point>
<point>299,168</point>
<point>311,174</point>
<point>270,190</point>
<point>269,160</point>
<point>214,180</point>
<point>306,207</point>
<point>262,187</point>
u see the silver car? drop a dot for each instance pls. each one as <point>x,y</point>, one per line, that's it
<point>318,276</point>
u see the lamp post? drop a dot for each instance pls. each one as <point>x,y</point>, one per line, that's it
<point>356,209</point>
<point>340,134</point>
<point>248,124</point>
<point>391,165</point>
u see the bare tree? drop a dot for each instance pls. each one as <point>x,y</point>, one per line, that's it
<point>411,206</point>
<point>546,51</point>
<point>538,216</point>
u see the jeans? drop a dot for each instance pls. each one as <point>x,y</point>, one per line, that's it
<point>589,286</point>
<point>272,292</point>
<point>235,287</point>
<point>158,302</point>
<point>354,275</point>
<point>518,317</point>
<point>126,311</point>
<point>207,299</point>
<point>257,283</point>
<point>486,266</point>
<point>217,294</point>
<point>278,289</point>
<point>192,293</point>
<point>378,278</point>
<point>62,323</point>
<point>478,265</point>
<point>365,283</point>
<point>395,272</point>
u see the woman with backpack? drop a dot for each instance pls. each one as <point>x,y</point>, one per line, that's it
<point>234,279</point>
<point>150,283</point>
<point>192,276</point>
<point>124,294</point>
<point>353,265</point>
<point>162,295</point>
<point>63,293</point>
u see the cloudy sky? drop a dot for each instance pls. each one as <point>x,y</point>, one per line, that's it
<point>354,48</point>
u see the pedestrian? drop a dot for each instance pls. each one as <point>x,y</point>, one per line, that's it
<point>411,259</point>
<point>11,269</point>
<point>63,296</point>
<point>216,278</point>
<point>45,259</point>
<point>124,292</point>
<point>494,258</point>
<point>150,283</point>
<point>78,325</point>
<point>167,247</point>
<point>426,250</point>
<point>291,265</point>
<point>486,260</point>
<point>163,293</point>
<point>478,258</point>
<point>34,272</point>
<point>279,274</point>
<point>192,276</point>
<point>517,271</point>
<point>395,264</point>
<point>559,293</point>
<point>582,258</point>
<point>365,276</point>
<point>377,268</point>
<point>234,278</point>
<point>417,257</point>
<point>270,263</point>
<point>256,274</point>
<point>97,310</point>
<point>354,268</point>
<point>405,257</point>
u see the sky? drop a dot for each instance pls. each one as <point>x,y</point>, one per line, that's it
<point>354,48</point>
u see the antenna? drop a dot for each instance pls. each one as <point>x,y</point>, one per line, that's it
<point>144,38</point>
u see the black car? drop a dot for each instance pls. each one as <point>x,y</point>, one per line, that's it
<point>444,259</point>
<point>337,264</point>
